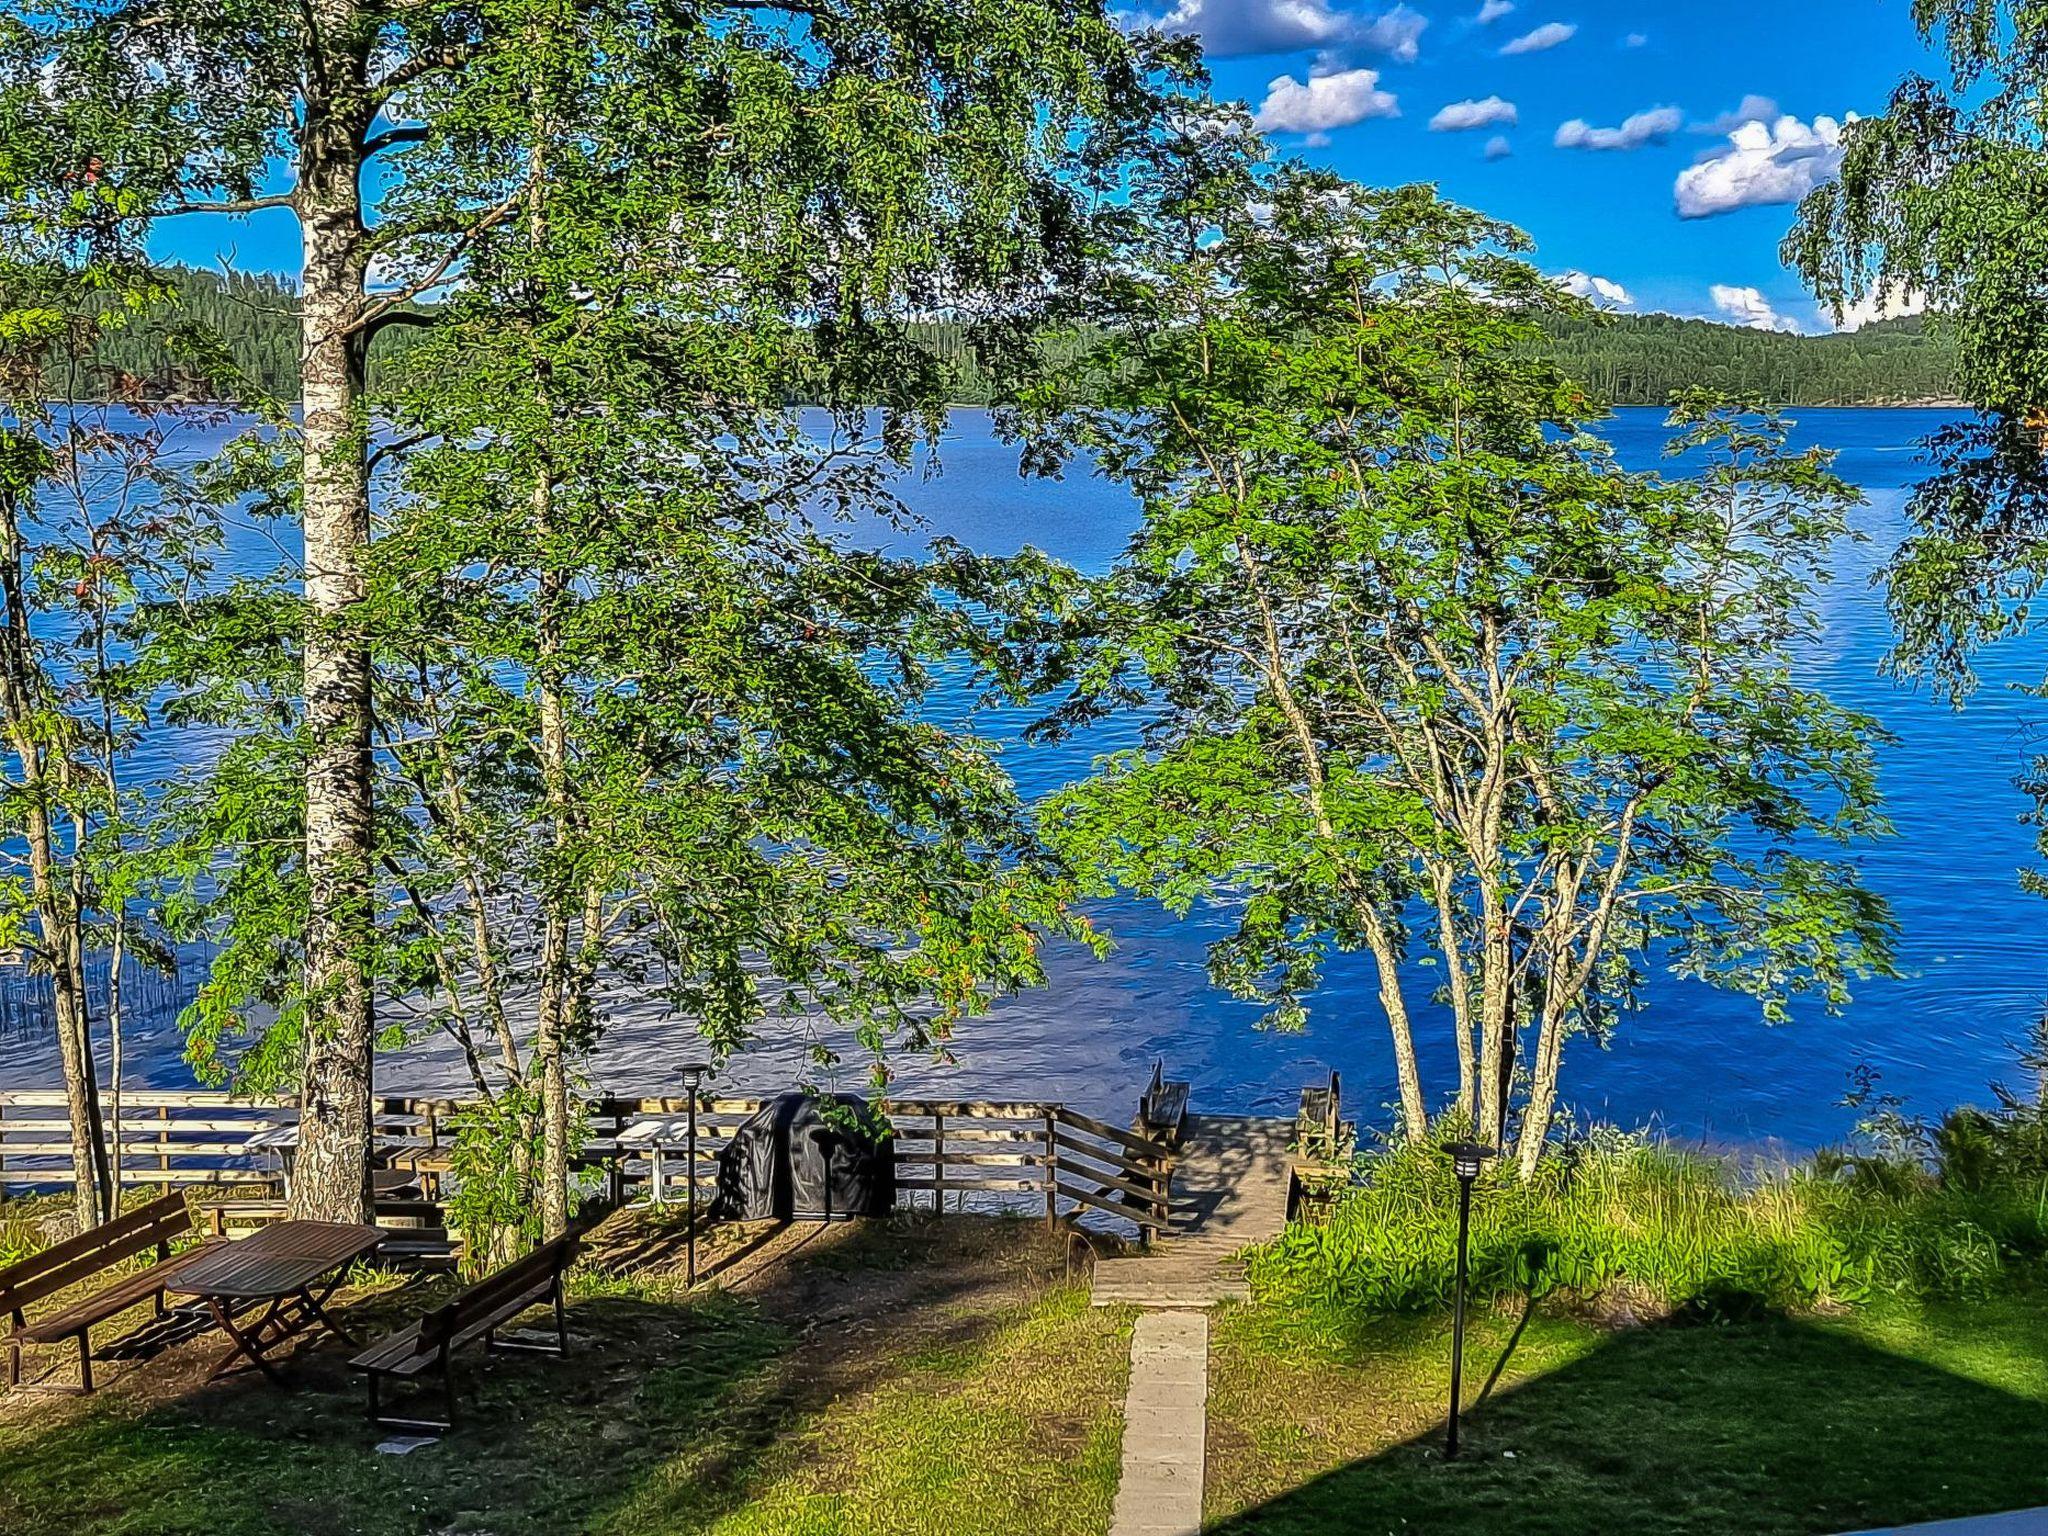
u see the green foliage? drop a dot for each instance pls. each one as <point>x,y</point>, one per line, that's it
<point>1617,1220</point>
<point>1938,197</point>
<point>1654,359</point>
<point>496,1152</point>
<point>247,323</point>
<point>1421,665</point>
<point>656,729</point>
<point>21,1228</point>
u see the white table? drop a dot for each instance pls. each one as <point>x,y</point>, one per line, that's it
<point>657,1138</point>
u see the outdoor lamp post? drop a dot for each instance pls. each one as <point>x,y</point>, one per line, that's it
<point>693,1078</point>
<point>1467,1159</point>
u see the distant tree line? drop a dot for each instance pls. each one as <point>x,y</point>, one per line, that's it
<point>244,326</point>
<point>1652,359</point>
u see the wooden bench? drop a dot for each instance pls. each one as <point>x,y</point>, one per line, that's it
<point>418,1228</point>
<point>1163,1111</point>
<point>478,1313</point>
<point>85,1257</point>
<point>1318,1124</point>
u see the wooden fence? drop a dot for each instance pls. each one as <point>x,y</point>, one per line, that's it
<point>1042,1155</point>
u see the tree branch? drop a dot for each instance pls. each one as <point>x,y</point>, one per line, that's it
<point>453,57</point>
<point>391,138</point>
<point>391,317</point>
<point>233,205</point>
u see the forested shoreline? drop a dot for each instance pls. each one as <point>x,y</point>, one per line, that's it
<point>244,326</point>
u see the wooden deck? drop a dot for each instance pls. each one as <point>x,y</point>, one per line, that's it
<point>1230,1191</point>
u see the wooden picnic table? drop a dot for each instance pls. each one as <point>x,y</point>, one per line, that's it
<point>283,1272</point>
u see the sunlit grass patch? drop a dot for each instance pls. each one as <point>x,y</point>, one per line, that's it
<point>1780,1426</point>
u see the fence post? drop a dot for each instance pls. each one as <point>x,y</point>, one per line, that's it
<point>1052,1170</point>
<point>3,1148</point>
<point>938,1165</point>
<point>163,1141</point>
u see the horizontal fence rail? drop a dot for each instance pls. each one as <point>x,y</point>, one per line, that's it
<point>1044,1156</point>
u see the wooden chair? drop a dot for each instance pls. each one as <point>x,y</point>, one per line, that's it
<point>1163,1111</point>
<point>85,1257</point>
<point>478,1313</point>
<point>1318,1125</point>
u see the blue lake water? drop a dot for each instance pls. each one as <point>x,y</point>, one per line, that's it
<point>1695,1061</point>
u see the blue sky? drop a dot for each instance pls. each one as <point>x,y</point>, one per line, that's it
<point>1598,122</point>
<point>1645,80</point>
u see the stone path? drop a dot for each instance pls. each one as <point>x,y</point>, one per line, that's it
<point>1166,1417</point>
<point>1230,1188</point>
<point>2021,1522</point>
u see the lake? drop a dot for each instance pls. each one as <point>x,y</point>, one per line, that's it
<point>1697,1063</point>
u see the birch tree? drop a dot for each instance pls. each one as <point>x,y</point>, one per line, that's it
<point>1938,207</point>
<point>1427,674</point>
<point>87,543</point>
<point>889,135</point>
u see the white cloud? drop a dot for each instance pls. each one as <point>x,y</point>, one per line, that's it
<point>1754,109</point>
<point>1635,40</point>
<point>1322,102</point>
<point>1498,147</point>
<point>1461,115</point>
<point>1651,127</point>
<point>1549,35</point>
<point>1764,163</point>
<point>1603,291</point>
<point>1493,10</point>
<point>1748,306</point>
<point>1249,28</point>
<point>1397,34</point>
<point>1873,307</point>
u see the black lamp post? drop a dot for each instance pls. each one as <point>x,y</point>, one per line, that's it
<point>693,1078</point>
<point>1467,1159</point>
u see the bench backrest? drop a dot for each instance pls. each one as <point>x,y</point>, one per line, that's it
<point>152,1226</point>
<point>519,1278</point>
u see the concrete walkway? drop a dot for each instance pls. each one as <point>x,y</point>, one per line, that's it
<point>1166,1422</point>
<point>2021,1522</point>
<point>1231,1179</point>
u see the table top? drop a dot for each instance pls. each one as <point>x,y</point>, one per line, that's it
<point>659,1130</point>
<point>277,1260</point>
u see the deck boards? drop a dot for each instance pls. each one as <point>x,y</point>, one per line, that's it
<point>1230,1190</point>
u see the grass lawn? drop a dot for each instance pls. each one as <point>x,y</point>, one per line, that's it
<point>1778,1425</point>
<point>910,1377</point>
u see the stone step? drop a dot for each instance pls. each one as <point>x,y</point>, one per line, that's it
<point>1153,1283</point>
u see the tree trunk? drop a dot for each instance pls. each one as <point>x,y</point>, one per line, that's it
<point>1495,1009</point>
<point>555,989</point>
<point>1443,892</point>
<point>1543,1078</point>
<point>550,592</point>
<point>1387,962</point>
<point>331,1179</point>
<point>56,918</point>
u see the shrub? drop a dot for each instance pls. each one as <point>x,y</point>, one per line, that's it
<point>1651,1224</point>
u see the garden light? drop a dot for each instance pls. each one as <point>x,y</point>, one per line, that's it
<point>1467,1159</point>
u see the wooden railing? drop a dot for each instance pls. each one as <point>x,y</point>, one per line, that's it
<point>165,1138</point>
<point>1044,1155</point>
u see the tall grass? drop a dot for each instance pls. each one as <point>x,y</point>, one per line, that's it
<point>21,1227</point>
<point>1629,1221</point>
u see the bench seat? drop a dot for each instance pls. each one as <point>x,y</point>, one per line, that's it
<point>104,1306</point>
<point>424,1346</point>
<point>93,1254</point>
<point>408,1352</point>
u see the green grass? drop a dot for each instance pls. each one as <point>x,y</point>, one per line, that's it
<point>21,1228</point>
<point>1328,1420</point>
<point>917,1378</point>
<point>1659,1230</point>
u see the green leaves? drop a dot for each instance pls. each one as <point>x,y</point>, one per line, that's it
<point>1425,668</point>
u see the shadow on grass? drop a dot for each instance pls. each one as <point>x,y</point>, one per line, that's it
<point>1774,1425</point>
<point>660,1419</point>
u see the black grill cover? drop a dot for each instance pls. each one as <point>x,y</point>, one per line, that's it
<point>788,1162</point>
